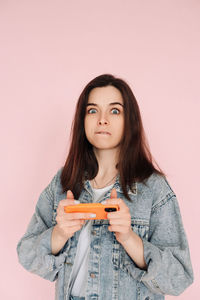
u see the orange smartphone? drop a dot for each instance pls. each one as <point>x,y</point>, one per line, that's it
<point>99,209</point>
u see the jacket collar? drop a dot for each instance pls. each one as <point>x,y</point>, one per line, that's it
<point>116,185</point>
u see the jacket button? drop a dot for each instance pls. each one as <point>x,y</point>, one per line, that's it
<point>68,263</point>
<point>92,275</point>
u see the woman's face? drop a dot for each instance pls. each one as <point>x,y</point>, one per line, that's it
<point>104,117</point>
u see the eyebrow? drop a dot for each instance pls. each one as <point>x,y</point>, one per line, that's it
<point>113,103</point>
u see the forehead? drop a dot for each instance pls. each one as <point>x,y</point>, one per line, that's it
<point>105,94</point>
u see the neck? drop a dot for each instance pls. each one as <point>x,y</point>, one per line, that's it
<point>107,160</point>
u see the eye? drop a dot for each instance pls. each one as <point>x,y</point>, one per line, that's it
<point>116,111</point>
<point>91,109</point>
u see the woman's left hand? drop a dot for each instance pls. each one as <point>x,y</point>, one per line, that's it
<point>120,221</point>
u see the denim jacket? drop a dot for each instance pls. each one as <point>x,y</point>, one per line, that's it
<point>112,274</point>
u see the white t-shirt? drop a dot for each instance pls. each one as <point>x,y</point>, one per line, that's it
<point>80,267</point>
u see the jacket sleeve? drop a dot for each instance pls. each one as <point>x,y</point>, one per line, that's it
<point>34,248</point>
<point>166,252</point>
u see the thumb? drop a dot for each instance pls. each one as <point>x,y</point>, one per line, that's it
<point>113,194</point>
<point>70,195</point>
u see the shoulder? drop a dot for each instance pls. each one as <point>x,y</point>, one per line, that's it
<point>54,186</point>
<point>160,188</point>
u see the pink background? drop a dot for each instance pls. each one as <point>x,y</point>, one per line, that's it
<point>49,50</point>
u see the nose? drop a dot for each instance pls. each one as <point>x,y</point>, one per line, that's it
<point>102,119</point>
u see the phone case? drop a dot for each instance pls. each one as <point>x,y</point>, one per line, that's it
<point>96,208</point>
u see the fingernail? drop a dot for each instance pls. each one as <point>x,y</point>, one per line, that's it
<point>76,201</point>
<point>93,215</point>
<point>103,202</point>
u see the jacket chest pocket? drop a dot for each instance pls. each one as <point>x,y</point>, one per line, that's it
<point>120,257</point>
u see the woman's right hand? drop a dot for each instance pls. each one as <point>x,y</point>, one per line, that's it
<point>67,223</point>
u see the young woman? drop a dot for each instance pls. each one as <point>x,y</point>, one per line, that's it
<point>141,250</point>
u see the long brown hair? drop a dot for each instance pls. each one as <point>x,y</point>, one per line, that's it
<point>135,160</point>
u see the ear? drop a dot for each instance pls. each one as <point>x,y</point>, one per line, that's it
<point>113,194</point>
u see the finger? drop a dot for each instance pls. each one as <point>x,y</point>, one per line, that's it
<point>71,223</point>
<point>119,201</point>
<point>115,228</point>
<point>120,222</point>
<point>69,195</point>
<point>66,202</point>
<point>80,216</point>
<point>113,194</point>
<point>118,215</point>
<point>69,199</point>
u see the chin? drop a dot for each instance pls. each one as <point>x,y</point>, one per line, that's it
<point>105,147</point>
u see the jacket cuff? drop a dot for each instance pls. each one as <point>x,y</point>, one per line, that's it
<point>153,260</point>
<point>50,261</point>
